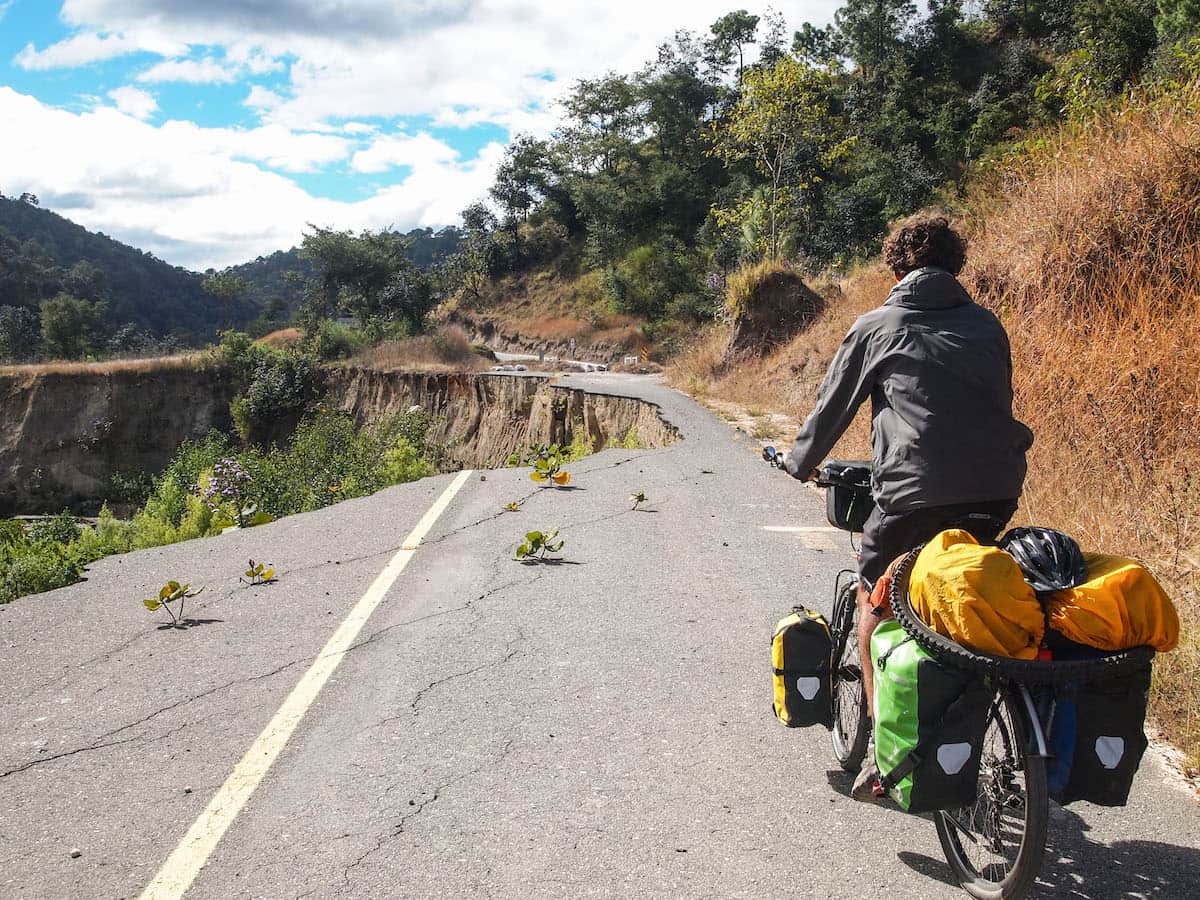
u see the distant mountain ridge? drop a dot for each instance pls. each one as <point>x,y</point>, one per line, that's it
<point>38,249</point>
<point>43,254</point>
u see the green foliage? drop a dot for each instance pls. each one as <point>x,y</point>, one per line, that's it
<point>632,440</point>
<point>277,385</point>
<point>537,544</point>
<point>783,124</point>
<point>171,592</point>
<point>650,278</point>
<point>258,573</point>
<point>71,327</point>
<point>336,340</point>
<point>62,528</point>
<point>366,275</point>
<point>43,255</point>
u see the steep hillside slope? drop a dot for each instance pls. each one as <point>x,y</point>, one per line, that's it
<point>1088,248</point>
<point>141,289</point>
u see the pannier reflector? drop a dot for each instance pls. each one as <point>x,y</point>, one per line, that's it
<point>808,686</point>
<point>1110,750</point>
<point>952,757</point>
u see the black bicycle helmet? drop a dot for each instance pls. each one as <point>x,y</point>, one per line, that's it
<point>1050,560</point>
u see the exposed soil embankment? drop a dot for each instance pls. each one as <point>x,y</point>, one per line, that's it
<point>607,346</point>
<point>485,418</point>
<point>64,435</point>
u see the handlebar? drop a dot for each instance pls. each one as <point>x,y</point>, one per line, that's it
<point>833,473</point>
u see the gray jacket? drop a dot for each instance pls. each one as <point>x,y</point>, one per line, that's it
<point>938,369</point>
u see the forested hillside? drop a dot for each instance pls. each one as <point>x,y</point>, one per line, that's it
<point>66,292</point>
<point>747,143</point>
<point>94,286</point>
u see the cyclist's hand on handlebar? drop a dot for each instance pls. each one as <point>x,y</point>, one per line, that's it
<point>813,475</point>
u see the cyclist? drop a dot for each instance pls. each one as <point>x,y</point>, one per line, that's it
<point>947,451</point>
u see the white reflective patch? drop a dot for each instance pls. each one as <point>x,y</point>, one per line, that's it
<point>808,686</point>
<point>952,757</point>
<point>1110,750</point>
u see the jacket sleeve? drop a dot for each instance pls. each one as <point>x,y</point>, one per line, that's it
<point>847,384</point>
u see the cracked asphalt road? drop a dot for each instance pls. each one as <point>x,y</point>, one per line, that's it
<point>598,727</point>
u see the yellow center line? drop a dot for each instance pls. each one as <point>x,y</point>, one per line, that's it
<point>187,859</point>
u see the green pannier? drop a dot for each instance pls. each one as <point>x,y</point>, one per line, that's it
<point>802,669</point>
<point>929,724</point>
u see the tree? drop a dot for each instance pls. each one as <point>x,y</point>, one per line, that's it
<point>226,287</point>
<point>70,326</point>
<point>818,46</point>
<point>783,125</point>
<point>20,333</point>
<point>1177,18</point>
<point>367,276</point>
<point>521,180</point>
<point>873,31</point>
<point>732,32</point>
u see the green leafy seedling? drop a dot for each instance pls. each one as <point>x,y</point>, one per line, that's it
<point>258,574</point>
<point>537,544</point>
<point>515,506</point>
<point>637,498</point>
<point>171,592</point>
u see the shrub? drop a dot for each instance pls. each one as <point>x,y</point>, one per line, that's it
<point>61,528</point>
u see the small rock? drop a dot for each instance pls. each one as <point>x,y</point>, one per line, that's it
<point>483,478</point>
<point>76,853</point>
<point>187,790</point>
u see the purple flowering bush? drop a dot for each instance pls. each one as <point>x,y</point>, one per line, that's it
<point>229,490</point>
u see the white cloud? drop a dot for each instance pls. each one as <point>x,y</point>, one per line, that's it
<point>194,195</point>
<point>390,151</point>
<point>134,101</point>
<point>462,61</point>
<point>90,47</point>
<point>193,71</point>
<point>261,98</point>
<point>5,6</point>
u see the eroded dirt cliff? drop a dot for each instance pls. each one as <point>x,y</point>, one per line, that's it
<point>64,436</point>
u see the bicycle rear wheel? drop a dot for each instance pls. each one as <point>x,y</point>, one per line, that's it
<point>851,725</point>
<point>995,846</point>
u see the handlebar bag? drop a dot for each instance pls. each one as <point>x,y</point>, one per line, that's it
<point>802,669</point>
<point>847,507</point>
<point>1097,737</point>
<point>930,720</point>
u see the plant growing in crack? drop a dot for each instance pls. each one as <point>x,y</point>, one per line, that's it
<point>258,573</point>
<point>515,506</point>
<point>171,592</point>
<point>537,544</point>
<point>637,498</point>
<point>547,462</point>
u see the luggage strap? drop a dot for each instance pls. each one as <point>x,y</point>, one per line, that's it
<point>905,767</point>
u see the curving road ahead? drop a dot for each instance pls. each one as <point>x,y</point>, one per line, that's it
<point>596,727</point>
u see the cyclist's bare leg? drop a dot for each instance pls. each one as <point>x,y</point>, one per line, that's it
<point>867,623</point>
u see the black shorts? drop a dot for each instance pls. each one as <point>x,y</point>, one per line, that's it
<point>887,536</point>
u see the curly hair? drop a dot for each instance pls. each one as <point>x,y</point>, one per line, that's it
<point>925,239</point>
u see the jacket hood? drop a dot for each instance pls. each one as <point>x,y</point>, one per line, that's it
<point>928,288</point>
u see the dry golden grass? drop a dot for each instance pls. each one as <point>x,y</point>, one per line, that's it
<point>284,337</point>
<point>550,306</point>
<point>108,367</point>
<point>1089,251</point>
<point>1091,255</point>
<point>446,350</point>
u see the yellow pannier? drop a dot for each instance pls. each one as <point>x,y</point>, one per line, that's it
<point>1120,606</point>
<point>976,596</point>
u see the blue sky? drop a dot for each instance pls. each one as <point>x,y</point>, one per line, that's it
<point>210,133</point>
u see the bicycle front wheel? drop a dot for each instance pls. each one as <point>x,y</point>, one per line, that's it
<point>851,725</point>
<point>995,846</point>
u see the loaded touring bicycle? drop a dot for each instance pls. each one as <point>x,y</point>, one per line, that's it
<point>981,742</point>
